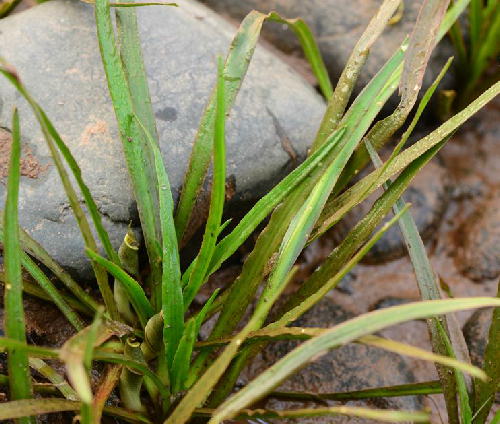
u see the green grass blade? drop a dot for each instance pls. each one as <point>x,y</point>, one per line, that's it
<point>344,333</point>
<point>338,102</point>
<point>49,288</point>
<point>54,377</point>
<point>172,299</point>
<point>387,416</point>
<point>475,24</point>
<point>34,289</point>
<point>18,409</point>
<point>129,45</point>
<point>322,279</point>
<point>135,149</point>
<point>235,68</point>
<point>488,49</point>
<point>311,51</point>
<point>17,359</point>
<point>212,228</point>
<point>40,352</point>
<point>412,389</point>
<point>428,289</point>
<point>52,291</point>
<point>134,291</point>
<point>30,246</point>
<point>182,357</point>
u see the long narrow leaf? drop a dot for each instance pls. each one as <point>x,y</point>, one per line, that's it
<point>212,228</point>
<point>134,291</point>
<point>17,359</point>
<point>30,246</point>
<point>339,335</point>
<point>135,149</point>
<point>172,299</point>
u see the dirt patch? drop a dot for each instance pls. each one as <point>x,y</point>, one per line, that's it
<point>30,166</point>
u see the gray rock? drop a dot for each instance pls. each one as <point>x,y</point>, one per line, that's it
<point>349,368</point>
<point>55,51</point>
<point>476,333</point>
<point>479,241</point>
<point>337,26</point>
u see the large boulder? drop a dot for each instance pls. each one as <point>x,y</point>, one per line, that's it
<point>54,49</point>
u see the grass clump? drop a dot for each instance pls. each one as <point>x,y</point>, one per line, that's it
<point>150,341</point>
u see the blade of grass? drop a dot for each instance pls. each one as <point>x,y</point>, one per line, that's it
<point>136,153</point>
<point>129,45</point>
<point>134,291</point>
<point>49,288</point>
<point>235,68</point>
<point>34,290</point>
<point>17,359</point>
<point>18,409</point>
<point>270,334</point>
<point>212,228</point>
<point>413,389</point>
<point>387,416</point>
<point>338,102</point>
<point>475,25</point>
<point>54,377</point>
<point>30,246</point>
<point>344,333</point>
<point>172,299</point>
<point>428,289</point>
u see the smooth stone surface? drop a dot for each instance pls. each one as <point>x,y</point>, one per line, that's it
<point>54,49</point>
<point>428,194</point>
<point>351,367</point>
<point>337,25</point>
<point>479,239</point>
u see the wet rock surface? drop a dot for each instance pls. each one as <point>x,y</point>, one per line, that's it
<point>337,25</point>
<point>351,367</point>
<point>60,64</point>
<point>479,241</point>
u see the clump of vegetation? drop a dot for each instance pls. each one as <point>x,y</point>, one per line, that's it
<point>477,49</point>
<point>151,341</point>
